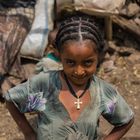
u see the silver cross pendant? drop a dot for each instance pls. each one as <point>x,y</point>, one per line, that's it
<point>77,103</point>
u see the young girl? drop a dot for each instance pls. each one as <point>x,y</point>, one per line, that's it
<point>70,102</point>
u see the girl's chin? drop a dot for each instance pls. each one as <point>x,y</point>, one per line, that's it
<point>79,82</point>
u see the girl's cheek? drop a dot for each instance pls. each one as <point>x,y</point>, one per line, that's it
<point>92,71</point>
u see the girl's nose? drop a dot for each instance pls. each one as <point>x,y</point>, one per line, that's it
<point>79,71</point>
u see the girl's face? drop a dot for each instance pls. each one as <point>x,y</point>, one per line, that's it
<point>79,61</point>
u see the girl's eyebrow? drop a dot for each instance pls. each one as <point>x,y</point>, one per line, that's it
<point>92,57</point>
<point>68,58</point>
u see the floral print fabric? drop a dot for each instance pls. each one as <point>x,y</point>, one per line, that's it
<point>41,94</point>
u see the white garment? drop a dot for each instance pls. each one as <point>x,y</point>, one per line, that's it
<point>37,39</point>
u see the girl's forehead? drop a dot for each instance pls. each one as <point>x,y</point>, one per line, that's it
<point>79,48</point>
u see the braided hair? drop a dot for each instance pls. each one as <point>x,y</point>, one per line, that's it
<point>79,27</point>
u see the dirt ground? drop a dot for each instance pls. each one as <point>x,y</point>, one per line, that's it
<point>121,68</point>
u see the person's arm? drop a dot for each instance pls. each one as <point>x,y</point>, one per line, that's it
<point>21,121</point>
<point>118,132</point>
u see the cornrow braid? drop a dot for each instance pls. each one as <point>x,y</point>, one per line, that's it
<point>79,27</point>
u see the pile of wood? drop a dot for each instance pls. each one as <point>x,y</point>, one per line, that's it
<point>129,19</point>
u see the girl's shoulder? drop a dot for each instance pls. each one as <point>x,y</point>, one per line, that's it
<point>45,76</point>
<point>102,82</point>
<point>45,79</point>
<point>106,89</point>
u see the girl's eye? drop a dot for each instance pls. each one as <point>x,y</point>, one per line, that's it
<point>70,62</point>
<point>88,63</point>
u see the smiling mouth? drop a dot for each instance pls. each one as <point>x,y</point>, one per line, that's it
<point>79,78</point>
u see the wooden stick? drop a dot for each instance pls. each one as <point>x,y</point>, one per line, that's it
<point>127,25</point>
<point>108,28</point>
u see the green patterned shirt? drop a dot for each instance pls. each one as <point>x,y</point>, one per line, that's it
<point>41,94</point>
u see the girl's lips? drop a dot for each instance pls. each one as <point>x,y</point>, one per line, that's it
<point>79,78</point>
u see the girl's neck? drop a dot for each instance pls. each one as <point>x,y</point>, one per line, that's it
<point>75,87</point>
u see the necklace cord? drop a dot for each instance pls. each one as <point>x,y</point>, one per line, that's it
<point>71,89</point>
